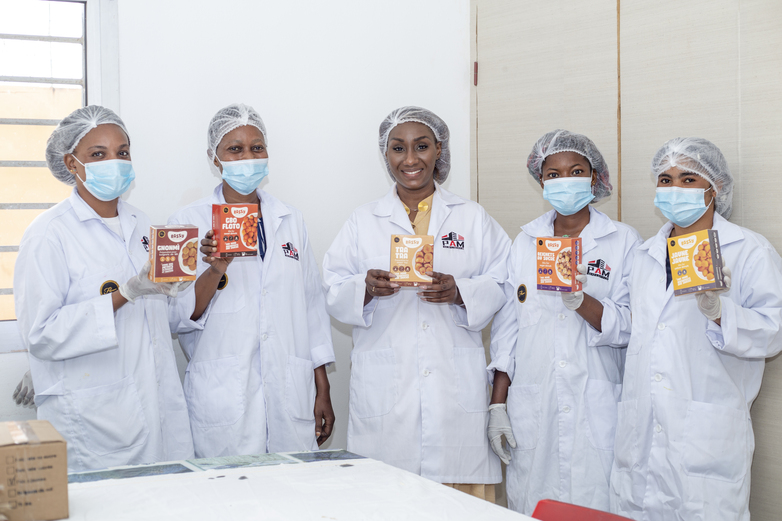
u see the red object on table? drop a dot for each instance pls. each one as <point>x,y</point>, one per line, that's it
<point>550,510</point>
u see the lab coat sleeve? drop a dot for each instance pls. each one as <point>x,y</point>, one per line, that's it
<point>752,328</point>
<point>615,324</point>
<point>483,294</point>
<point>505,330</point>
<point>344,284</point>
<point>321,348</point>
<point>51,329</point>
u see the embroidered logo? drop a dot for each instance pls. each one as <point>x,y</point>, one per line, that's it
<point>223,282</point>
<point>145,242</point>
<point>109,286</point>
<point>453,241</point>
<point>521,293</point>
<point>599,268</point>
<point>290,251</point>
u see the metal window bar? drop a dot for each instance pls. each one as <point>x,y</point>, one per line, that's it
<point>41,38</point>
<point>27,121</point>
<point>33,79</point>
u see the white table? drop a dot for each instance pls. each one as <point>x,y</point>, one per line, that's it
<point>347,489</point>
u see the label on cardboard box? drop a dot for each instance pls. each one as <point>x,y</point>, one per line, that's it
<point>235,229</point>
<point>33,459</point>
<point>696,262</point>
<point>173,252</point>
<point>411,257</point>
<point>557,258</point>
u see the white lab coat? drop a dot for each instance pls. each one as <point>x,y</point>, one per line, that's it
<point>419,392</point>
<point>566,376</point>
<point>684,439</point>
<point>107,381</point>
<point>250,383</point>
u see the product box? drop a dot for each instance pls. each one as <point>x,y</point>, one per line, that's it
<point>557,261</point>
<point>696,262</point>
<point>173,252</point>
<point>235,229</point>
<point>411,257</point>
<point>34,471</point>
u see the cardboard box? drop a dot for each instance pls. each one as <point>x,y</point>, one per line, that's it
<point>411,257</point>
<point>34,475</point>
<point>173,252</point>
<point>557,260</point>
<point>696,262</point>
<point>235,229</point>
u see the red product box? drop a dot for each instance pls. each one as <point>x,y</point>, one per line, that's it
<point>235,228</point>
<point>173,252</point>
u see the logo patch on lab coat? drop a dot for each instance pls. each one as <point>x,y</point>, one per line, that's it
<point>599,268</point>
<point>223,282</point>
<point>108,287</point>
<point>452,241</point>
<point>145,243</point>
<point>290,251</point>
<point>521,293</point>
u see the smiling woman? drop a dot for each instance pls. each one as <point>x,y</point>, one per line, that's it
<point>419,388</point>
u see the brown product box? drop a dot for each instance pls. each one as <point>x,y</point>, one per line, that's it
<point>557,259</point>
<point>411,257</point>
<point>173,252</point>
<point>34,471</point>
<point>235,229</point>
<point>696,262</point>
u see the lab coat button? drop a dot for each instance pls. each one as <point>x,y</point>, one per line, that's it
<point>265,336</point>
<point>662,279</point>
<point>658,377</point>
<point>660,326</point>
<point>659,428</point>
<point>566,408</point>
<point>424,325</point>
<point>263,293</point>
<point>561,316</point>
<point>426,372</point>
<point>562,363</point>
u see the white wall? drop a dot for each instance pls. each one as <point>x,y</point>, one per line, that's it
<point>322,75</point>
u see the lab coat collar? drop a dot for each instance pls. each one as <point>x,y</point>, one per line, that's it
<point>599,225</point>
<point>391,206</point>
<point>125,212</point>
<point>272,209</point>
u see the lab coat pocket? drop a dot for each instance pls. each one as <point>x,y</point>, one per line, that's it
<point>716,442</point>
<point>600,398</point>
<point>524,413</point>
<point>111,417</point>
<point>471,378</point>
<point>626,440</point>
<point>213,392</point>
<point>300,389</point>
<point>373,383</point>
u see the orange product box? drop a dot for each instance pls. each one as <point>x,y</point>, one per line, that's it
<point>696,262</point>
<point>173,252</point>
<point>235,229</point>
<point>557,260</point>
<point>411,257</point>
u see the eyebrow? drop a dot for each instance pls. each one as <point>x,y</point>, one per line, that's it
<point>567,168</point>
<point>416,139</point>
<point>101,147</point>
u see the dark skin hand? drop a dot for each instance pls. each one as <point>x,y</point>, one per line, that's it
<point>499,392</point>
<point>442,289</point>
<point>572,164</point>
<point>324,413</point>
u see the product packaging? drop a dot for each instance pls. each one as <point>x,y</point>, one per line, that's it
<point>696,262</point>
<point>411,257</point>
<point>33,459</point>
<point>557,260</point>
<point>173,252</point>
<point>235,229</point>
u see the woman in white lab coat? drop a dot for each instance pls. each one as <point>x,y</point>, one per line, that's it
<point>418,388</point>
<point>684,438</point>
<point>255,328</point>
<point>562,352</point>
<point>99,345</point>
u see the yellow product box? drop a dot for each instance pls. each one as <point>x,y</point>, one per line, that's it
<point>34,478</point>
<point>411,257</point>
<point>696,262</point>
<point>557,258</point>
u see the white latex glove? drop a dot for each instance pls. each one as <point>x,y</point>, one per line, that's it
<point>499,424</point>
<point>709,301</point>
<point>573,301</point>
<point>140,285</point>
<point>24,393</point>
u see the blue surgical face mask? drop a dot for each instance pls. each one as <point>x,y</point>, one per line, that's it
<point>568,194</point>
<point>244,176</point>
<point>681,206</point>
<point>108,179</point>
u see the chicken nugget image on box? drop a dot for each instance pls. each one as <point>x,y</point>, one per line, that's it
<point>411,257</point>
